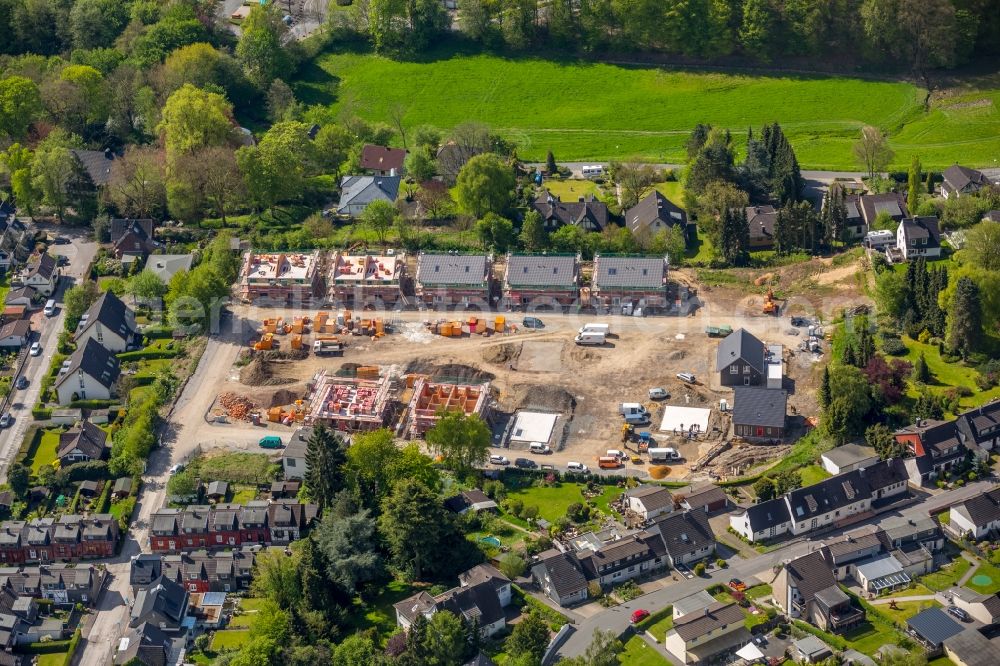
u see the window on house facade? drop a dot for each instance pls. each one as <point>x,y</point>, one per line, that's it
<point>734,369</point>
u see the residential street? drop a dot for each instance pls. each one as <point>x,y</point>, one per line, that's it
<point>80,254</point>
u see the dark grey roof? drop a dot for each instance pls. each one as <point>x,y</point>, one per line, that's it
<point>478,602</point>
<point>885,473</point>
<point>810,574</point>
<point>704,495</point>
<point>958,177</point>
<point>588,213</point>
<point>113,315</point>
<point>980,424</point>
<point>90,439</point>
<point>97,164</point>
<point>539,270</point>
<point>122,485</point>
<point>700,623</point>
<point>828,495</point>
<point>972,648</point>
<point>564,573</point>
<point>145,568</point>
<point>146,644</point>
<point>164,598</point>
<point>93,360</point>
<point>922,227</point>
<point>761,221</point>
<point>654,206</point>
<point>43,264</point>
<point>453,269</point>
<point>984,508</point>
<point>758,406</point>
<point>122,225</point>
<point>629,272</point>
<point>684,532</point>
<point>28,292</point>
<point>298,443</point>
<point>362,190</point>
<point>653,497</point>
<point>768,514</point>
<point>934,626</point>
<point>832,596</point>
<point>741,345</point>
<point>217,488</point>
<point>891,202</point>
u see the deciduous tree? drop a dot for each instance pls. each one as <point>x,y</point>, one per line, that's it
<point>463,440</point>
<point>193,119</point>
<point>485,185</point>
<point>20,105</point>
<point>379,216</point>
<point>872,150</point>
<point>261,48</point>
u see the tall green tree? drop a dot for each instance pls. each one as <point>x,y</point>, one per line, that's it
<point>965,321</point>
<point>325,458</point>
<point>193,119</point>
<point>379,216</point>
<point>850,402</point>
<point>275,170</point>
<point>416,528</point>
<point>495,233</point>
<point>351,549</point>
<point>880,438</point>
<point>872,150</point>
<point>533,237</point>
<point>261,50</point>
<point>463,440</point>
<point>54,171</point>
<point>529,640</point>
<point>20,105</point>
<point>485,185</point>
<point>734,237</point>
<point>913,185</point>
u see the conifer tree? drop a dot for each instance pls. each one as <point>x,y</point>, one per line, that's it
<point>325,458</point>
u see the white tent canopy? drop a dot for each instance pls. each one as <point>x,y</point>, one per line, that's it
<point>750,652</point>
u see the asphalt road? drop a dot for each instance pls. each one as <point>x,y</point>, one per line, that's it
<point>80,254</point>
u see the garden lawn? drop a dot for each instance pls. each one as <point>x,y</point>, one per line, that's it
<point>640,653</point>
<point>813,474</point>
<point>45,453</point>
<point>230,639</point>
<point>759,591</point>
<point>379,613</point>
<point>945,375</point>
<point>947,576</point>
<point>660,628</point>
<point>570,190</point>
<point>985,570</point>
<point>52,658</point>
<point>907,609</point>
<point>868,637</point>
<point>648,112</point>
<point>552,501</point>
<point>244,494</point>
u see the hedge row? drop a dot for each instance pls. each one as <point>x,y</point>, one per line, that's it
<point>74,642</point>
<point>147,354</point>
<point>92,404</point>
<point>48,647</point>
<point>158,332</point>
<point>41,413</point>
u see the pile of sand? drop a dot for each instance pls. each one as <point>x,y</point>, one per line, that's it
<point>260,372</point>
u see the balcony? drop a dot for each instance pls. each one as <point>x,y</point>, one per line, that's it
<point>845,617</point>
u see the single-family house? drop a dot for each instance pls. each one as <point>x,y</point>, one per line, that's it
<point>854,220</point>
<point>163,604</point>
<point>649,501</point>
<point>935,447</point>
<point>741,359</point>
<point>15,334</point>
<point>22,296</point>
<point>82,443</point>
<point>844,554</point>
<point>293,456</point>
<point>382,161</point>
<point>983,608</point>
<point>932,627</point>
<point>806,589</point>
<point>917,237</point>
<point>708,634</point>
<point>91,374</point>
<point>587,213</point>
<point>481,596</point>
<point>759,414</point>
<point>980,427</point>
<point>977,516</point>
<point>132,240</point>
<point>707,497</point>
<point>143,645</point>
<point>687,536</point>
<point>958,180</point>
<point>902,532</point>
<point>891,203</point>
<point>763,521</point>
<point>166,266</point>
<point>445,280</point>
<point>848,457</point>
<point>109,322</point>
<point>624,283</point>
<point>761,220</point>
<point>474,500</point>
<point>655,213</point>
<point>560,578</point>
<point>17,241</point>
<point>541,280</point>
<point>356,192</point>
<point>42,273</point>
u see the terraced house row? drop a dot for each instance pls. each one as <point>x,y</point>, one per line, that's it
<point>68,537</point>
<point>197,527</point>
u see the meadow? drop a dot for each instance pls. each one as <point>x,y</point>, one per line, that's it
<point>592,111</point>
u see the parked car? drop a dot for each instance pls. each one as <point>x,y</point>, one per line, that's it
<point>639,615</point>
<point>179,467</point>
<point>532,322</point>
<point>21,383</point>
<point>548,468</point>
<point>499,460</point>
<point>6,420</point>
<point>539,447</point>
<point>959,613</point>
<point>62,260</point>
<point>737,584</point>
<point>270,442</point>
<point>61,240</point>
<point>575,466</point>
<point>36,349</point>
<point>658,393</point>
<point>525,463</point>
<point>686,377</point>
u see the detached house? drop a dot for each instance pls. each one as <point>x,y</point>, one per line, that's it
<point>936,447</point>
<point>916,237</point>
<point>559,576</point>
<point>587,213</point>
<point>42,273</point>
<point>382,161</point>
<point>83,443</point>
<point>132,239</point>
<point>293,456</point>
<point>741,360</point>
<point>978,516</point>
<point>356,192</point>
<point>15,333</point>
<point>541,280</point>
<point>655,213</point>
<point>686,535</point>
<point>761,220</point>
<point>481,596</point>
<point>109,322</point>
<point>454,279</point>
<point>91,375</point>
<point>959,180</point>
<point>629,282</point>
<point>702,636</point>
<point>649,501</point>
<point>891,203</point>
<point>760,414</point>
<point>806,589</point>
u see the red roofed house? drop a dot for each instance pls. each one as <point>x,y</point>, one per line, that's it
<point>382,161</point>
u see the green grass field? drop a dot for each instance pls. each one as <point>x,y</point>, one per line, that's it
<point>907,609</point>
<point>986,579</point>
<point>591,111</point>
<point>45,454</point>
<point>230,639</point>
<point>945,375</point>
<point>552,501</point>
<point>946,576</point>
<point>812,474</point>
<point>640,653</point>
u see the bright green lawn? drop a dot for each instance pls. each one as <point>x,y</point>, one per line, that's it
<point>52,659</point>
<point>45,454</point>
<point>907,609</point>
<point>640,653</point>
<point>252,603</point>
<point>983,587</point>
<point>244,494</point>
<point>649,111</point>
<point>570,190</point>
<point>379,612</point>
<point>552,501</point>
<point>868,637</point>
<point>813,474</point>
<point>941,661</point>
<point>946,576</point>
<point>660,628</point>
<point>945,375</point>
<point>231,639</point>
<point>759,591</point>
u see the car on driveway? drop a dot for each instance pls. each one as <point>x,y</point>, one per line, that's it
<point>578,467</point>
<point>639,615</point>
<point>532,322</point>
<point>959,613</point>
<point>525,463</point>
<point>499,460</point>
<point>36,349</point>
<point>21,383</point>
<point>6,420</point>
<point>686,377</point>
<point>61,240</point>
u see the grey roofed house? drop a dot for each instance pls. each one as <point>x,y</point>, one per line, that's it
<point>828,495</point>
<point>165,266</point>
<point>164,603</point>
<point>980,425</point>
<point>611,272</point>
<point>698,624</point>
<point>743,346</point>
<point>655,212</point>
<point>848,456</point>
<point>84,442</point>
<point>812,648</point>
<point>693,603</point>
<point>971,648</point>
<point>478,602</point>
<point>453,269</point>
<point>217,489</point>
<point>97,164</point>
<point>962,180</point>
<point>88,488</point>
<point>483,573</point>
<point>110,312</point>
<point>121,226</point>
<point>892,203</point>
<point>761,221</point>
<point>708,496</point>
<point>145,569</point>
<point>933,626</point>
<point>93,360</point>
<point>123,486</point>
<point>26,293</point>
<point>684,532</point>
<point>563,571</point>
<point>17,331</point>
<point>761,407</point>
<point>356,192</point>
<point>922,228</point>
<point>144,644</point>
<point>542,270</point>
<point>652,497</point>
<point>43,265</point>
<point>768,514</point>
<point>810,574</point>
<point>983,508</point>
<point>587,213</point>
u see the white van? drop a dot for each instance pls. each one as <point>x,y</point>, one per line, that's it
<point>632,409</point>
<point>50,307</point>
<point>592,339</point>
<point>604,329</point>
<point>574,466</point>
<point>539,447</point>
<point>616,453</point>
<point>592,170</point>
<point>663,454</point>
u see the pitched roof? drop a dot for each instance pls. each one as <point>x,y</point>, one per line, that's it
<point>362,190</point>
<point>759,406</point>
<point>828,495</point>
<point>122,225</point>
<point>88,438</point>
<point>693,603</point>
<point>761,220</point>
<point>885,473</point>
<point>700,623</point>
<point>831,596</point>
<point>113,315</point>
<point>539,270</point>
<point>892,203</point>
<point>133,236</point>
<point>97,164</point>
<point>165,598</point>
<point>768,514</point>
<point>165,266</point>
<point>26,291</point>
<point>684,531</point>
<point>94,360</point>
<point>704,495</point>
<point>849,454</point>
<point>563,571</point>
<point>483,573</point>
<point>934,626</point>
<point>652,497</point>
<point>380,158</point>
<point>655,207</point>
<point>972,648</point>
<point>959,177</point>
<point>146,644</point>
<point>587,213</point>
<point>980,424</point>
<point>984,508</point>
<point>629,272</point>
<point>741,344</point>
<point>916,228</point>
<point>453,269</point>
<point>478,602</point>
<point>810,574</point>
<point>298,443</point>
<point>43,265</point>
<point>20,328</point>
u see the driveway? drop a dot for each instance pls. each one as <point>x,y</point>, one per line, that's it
<point>80,253</point>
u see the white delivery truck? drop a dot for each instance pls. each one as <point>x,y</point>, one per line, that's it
<point>663,454</point>
<point>633,413</point>
<point>590,338</point>
<point>597,328</point>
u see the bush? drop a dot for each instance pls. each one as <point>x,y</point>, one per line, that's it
<point>40,413</point>
<point>721,563</point>
<point>699,569</point>
<point>149,355</point>
<point>92,404</point>
<point>158,332</point>
<point>893,347</point>
<point>93,470</point>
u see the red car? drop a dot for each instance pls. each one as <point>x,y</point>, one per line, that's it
<point>639,615</point>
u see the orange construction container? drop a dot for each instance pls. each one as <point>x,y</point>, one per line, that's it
<point>347,316</point>
<point>321,318</point>
<point>368,372</point>
<point>500,321</point>
<point>446,329</point>
<point>297,342</point>
<point>379,327</point>
<point>481,326</point>
<point>274,414</point>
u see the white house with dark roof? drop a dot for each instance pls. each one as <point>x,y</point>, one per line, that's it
<point>91,374</point>
<point>560,577</point>
<point>541,280</point>
<point>916,237</point>
<point>649,501</point>
<point>848,457</point>
<point>640,281</point>
<point>481,596</point>
<point>699,637</point>
<point>958,180</point>
<point>81,444</point>
<point>978,515</point>
<point>15,333</point>
<point>42,273</point>
<point>761,221</point>
<point>109,322</point>
<point>356,192</point>
<point>454,279</point>
<point>655,213</point>
<point>763,521</point>
<point>687,535</point>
